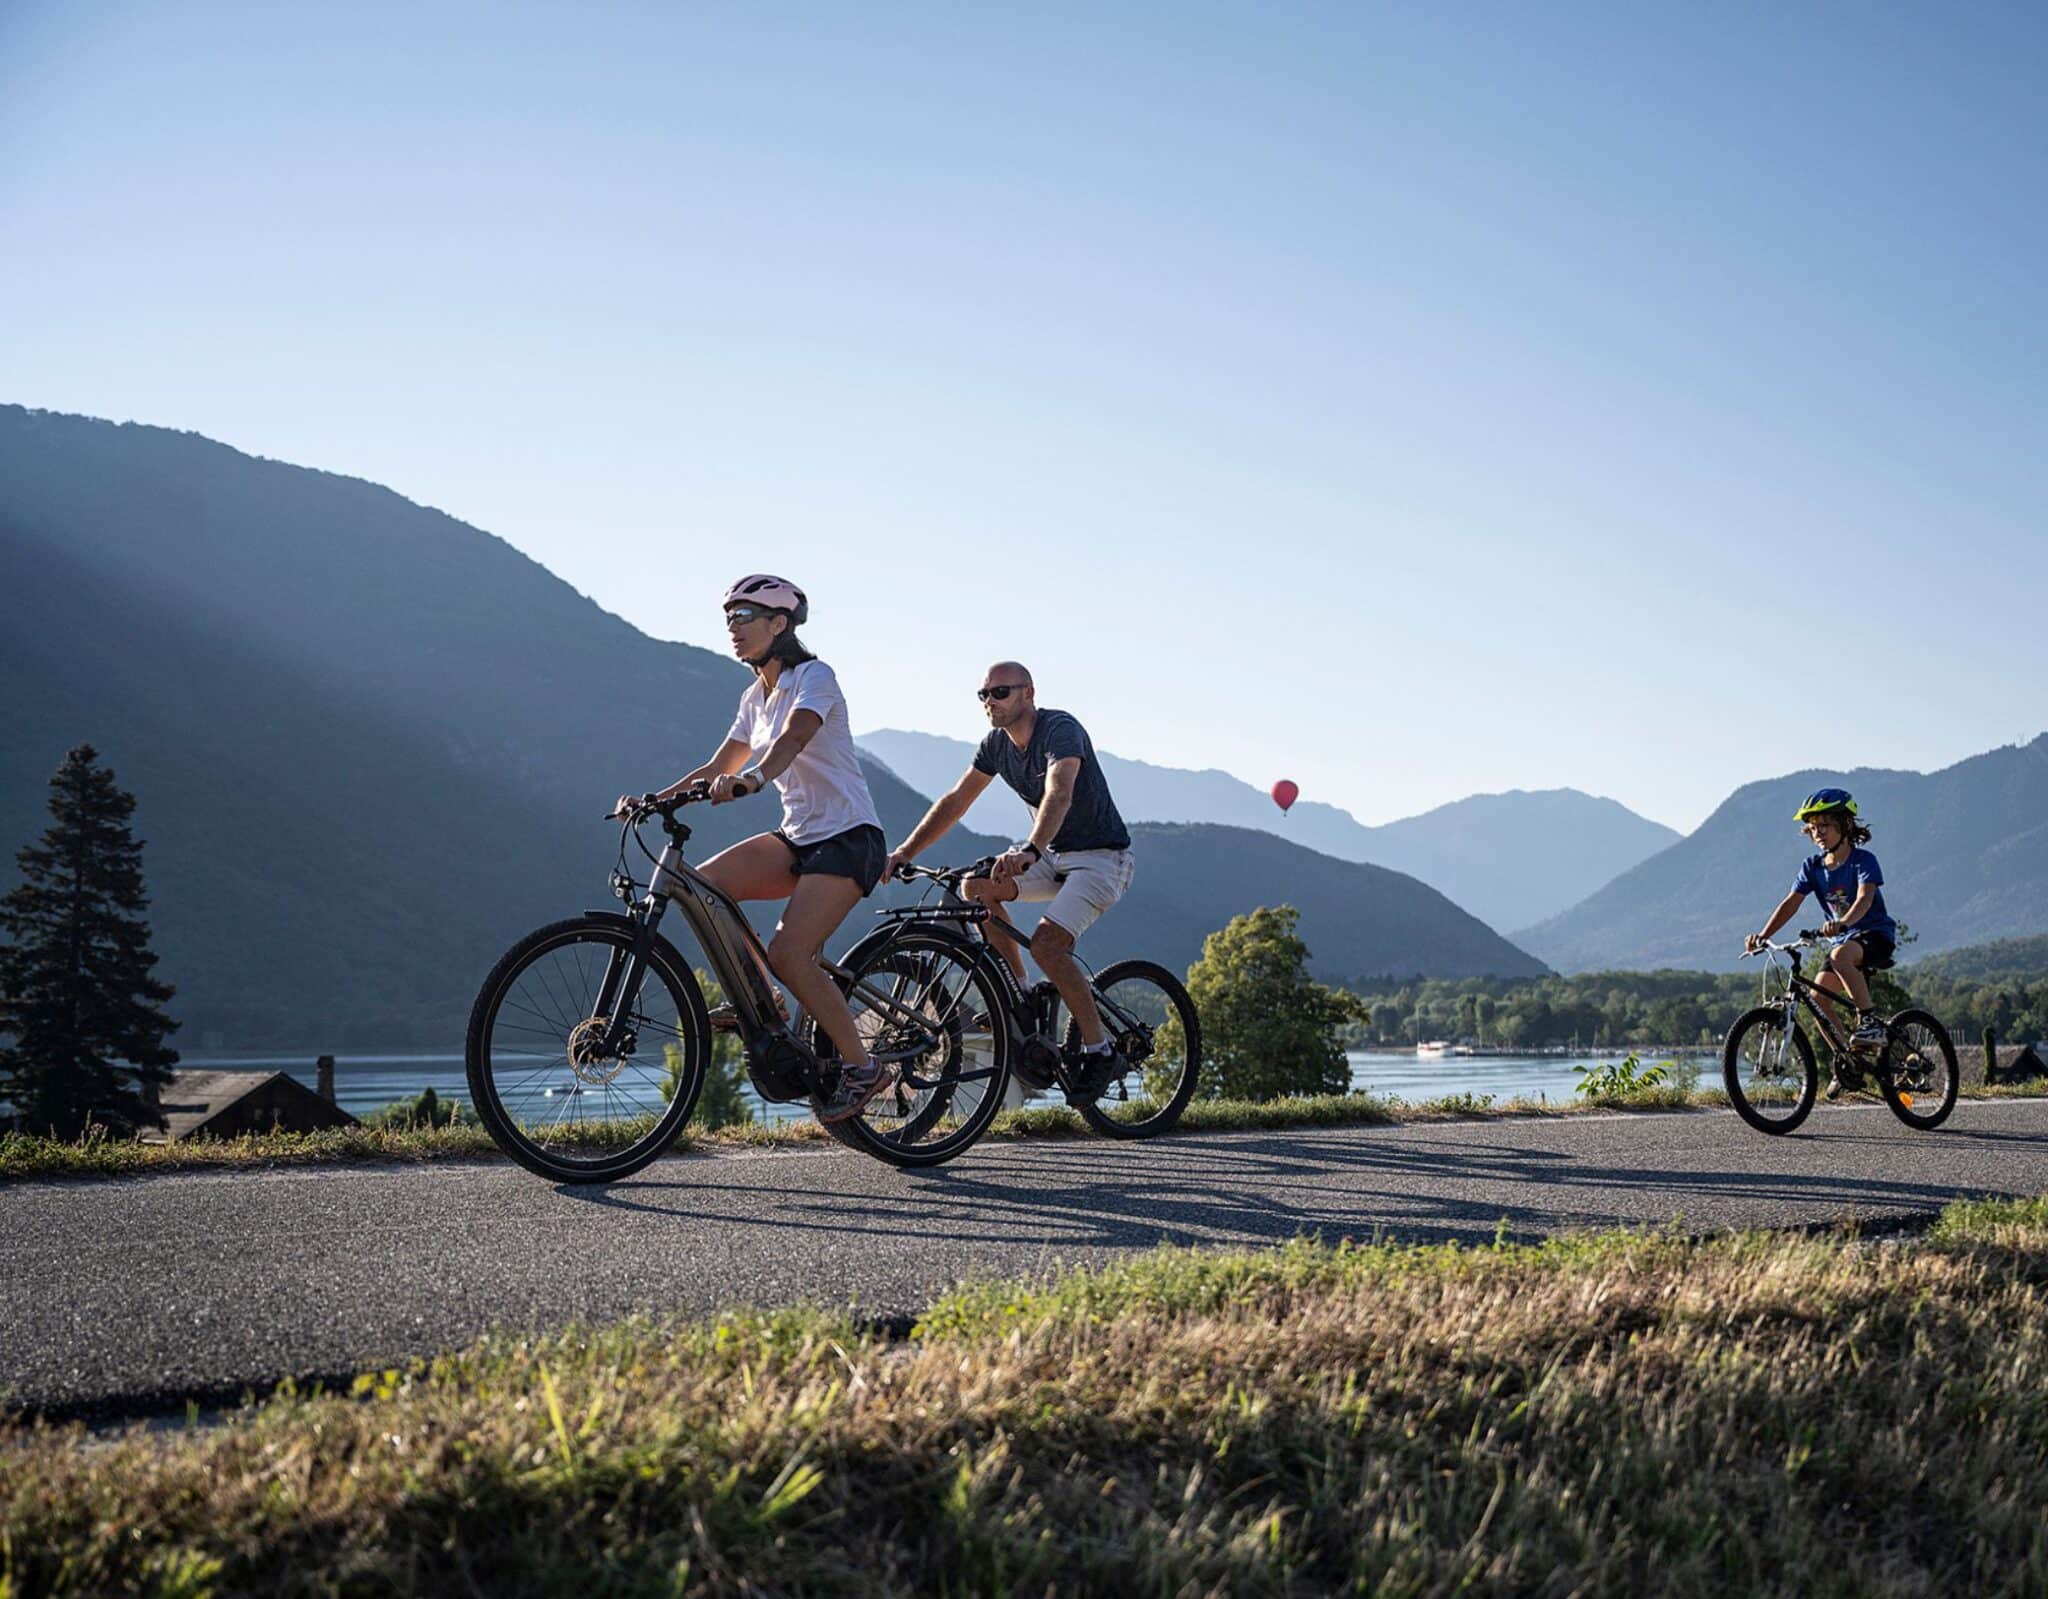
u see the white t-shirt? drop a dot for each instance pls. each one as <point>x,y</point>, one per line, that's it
<point>824,790</point>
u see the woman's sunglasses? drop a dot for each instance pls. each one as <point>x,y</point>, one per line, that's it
<point>741,615</point>
<point>997,691</point>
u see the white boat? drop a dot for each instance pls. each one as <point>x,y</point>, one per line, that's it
<point>1435,1049</point>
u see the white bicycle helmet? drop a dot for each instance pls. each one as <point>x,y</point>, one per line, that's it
<point>776,593</point>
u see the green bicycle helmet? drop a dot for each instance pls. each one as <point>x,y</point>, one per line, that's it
<point>1825,799</point>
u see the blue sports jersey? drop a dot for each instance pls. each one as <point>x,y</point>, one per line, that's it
<point>1837,887</point>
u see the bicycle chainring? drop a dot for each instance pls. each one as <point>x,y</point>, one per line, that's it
<point>781,1068</point>
<point>1037,1062</point>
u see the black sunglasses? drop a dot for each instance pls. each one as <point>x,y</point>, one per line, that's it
<point>744,614</point>
<point>998,691</point>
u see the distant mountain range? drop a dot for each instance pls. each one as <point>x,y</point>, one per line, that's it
<point>1964,852</point>
<point>371,744</point>
<point>1510,859</point>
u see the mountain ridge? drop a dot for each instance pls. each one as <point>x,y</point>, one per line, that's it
<point>1509,858</point>
<point>1964,850</point>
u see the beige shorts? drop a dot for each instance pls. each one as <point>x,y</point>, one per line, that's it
<point>1081,883</point>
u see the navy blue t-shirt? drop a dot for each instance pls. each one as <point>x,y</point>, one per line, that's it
<point>1092,821</point>
<point>1837,887</point>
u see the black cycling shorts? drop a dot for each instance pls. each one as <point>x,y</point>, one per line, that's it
<point>859,853</point>
<point>1877,950</point>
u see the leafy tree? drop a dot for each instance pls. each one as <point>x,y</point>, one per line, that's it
<point>723,1101</point>
<point>1268,1028</point>
<point>81,1035</point>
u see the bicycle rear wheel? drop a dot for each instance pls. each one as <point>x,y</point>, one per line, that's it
<point>1918,1075</point>
<point>541,1084</point>
<point>1152,1021</point>
<point>926,1003</point>
<point>1769,1071</point>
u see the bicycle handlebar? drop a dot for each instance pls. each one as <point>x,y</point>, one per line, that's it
<point>647,805</point>
<point>907,873</point>
<point>1808,937</point>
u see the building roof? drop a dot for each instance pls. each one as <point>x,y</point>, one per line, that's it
<point>193,1099</point>
<point>2014,1060</point>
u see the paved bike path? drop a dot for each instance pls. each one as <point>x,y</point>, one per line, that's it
<point>123,1296</point>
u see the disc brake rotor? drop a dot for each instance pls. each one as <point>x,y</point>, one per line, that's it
<point>587,1057</point>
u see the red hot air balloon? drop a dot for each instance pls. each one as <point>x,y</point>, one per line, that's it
<point>1285,793</point>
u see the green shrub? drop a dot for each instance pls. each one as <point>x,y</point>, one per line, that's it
<point>723,1102</point>
<point>1623,1079</point>
<point>428,1109</point>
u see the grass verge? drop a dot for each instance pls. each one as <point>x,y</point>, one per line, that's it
<point>1608,1414</point>
<point>23,1157</point>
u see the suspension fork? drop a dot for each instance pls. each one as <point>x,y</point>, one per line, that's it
<point>624,971</point>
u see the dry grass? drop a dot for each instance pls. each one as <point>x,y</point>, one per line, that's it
<point>1614,1414</point>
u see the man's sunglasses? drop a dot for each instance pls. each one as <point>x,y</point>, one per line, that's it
<point>998,691</point>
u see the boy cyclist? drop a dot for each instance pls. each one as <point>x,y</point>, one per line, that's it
<point>1848,880</point>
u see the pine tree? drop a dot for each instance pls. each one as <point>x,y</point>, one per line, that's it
<point>81,1035</point>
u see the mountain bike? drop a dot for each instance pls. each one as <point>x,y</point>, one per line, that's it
<point>588,1042</point>
<point>1154,1033</point>
<point>1768,1064</point>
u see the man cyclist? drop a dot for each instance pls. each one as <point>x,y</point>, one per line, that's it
<point>1078,854</point>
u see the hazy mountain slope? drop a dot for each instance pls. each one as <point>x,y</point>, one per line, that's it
<point>1358,920</point>
<point>371,744</point>
<point>1517,857</point>
<point>1964,851</point>
<point>1510,859</point>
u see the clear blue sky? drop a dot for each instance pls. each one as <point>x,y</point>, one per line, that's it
<point>1411,400</point>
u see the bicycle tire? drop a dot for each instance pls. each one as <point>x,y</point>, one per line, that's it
<point>1768,1115</point>
<point>1901,1075</point>
<point>578,1151</point>
<point>1170,1095</point>
<point>977,1028</point>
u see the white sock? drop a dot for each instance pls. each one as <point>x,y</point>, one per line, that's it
<point>1096,1049</point>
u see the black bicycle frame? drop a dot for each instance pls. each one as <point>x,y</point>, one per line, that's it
<point>1799,992</point>
<point>735,952</point>
<point>955,907</point>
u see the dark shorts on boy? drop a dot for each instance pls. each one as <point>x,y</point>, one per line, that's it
<point>859,853</point>
<point>1877,949</point>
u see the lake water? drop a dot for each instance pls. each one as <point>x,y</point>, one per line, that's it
<point>363,1083</point>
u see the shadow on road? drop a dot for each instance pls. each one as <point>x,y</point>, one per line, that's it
<point>1263,1189</point>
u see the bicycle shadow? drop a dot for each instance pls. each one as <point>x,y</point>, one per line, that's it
<point>1251,1190</point>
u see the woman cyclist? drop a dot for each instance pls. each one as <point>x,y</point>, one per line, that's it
<point>827,856</point>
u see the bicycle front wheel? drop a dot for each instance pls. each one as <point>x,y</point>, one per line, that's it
<point>1158,1036</point>
<point>1918,1075</point>
<point>1769,1071</point>
<point>543,1084</point>
<point>926,1004</point>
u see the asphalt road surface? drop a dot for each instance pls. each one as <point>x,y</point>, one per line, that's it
<point>125,1297</point>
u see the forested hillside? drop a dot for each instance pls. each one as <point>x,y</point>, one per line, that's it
<point>371,743</point>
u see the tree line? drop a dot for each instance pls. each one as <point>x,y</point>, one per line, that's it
<point>1626,1010</point>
